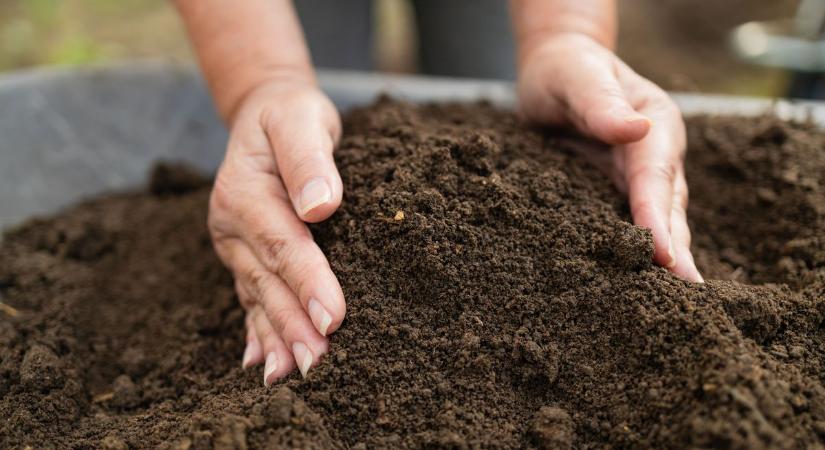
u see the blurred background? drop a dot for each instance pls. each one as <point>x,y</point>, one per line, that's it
<point>679,44</point>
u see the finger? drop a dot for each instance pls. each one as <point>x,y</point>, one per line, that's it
<point>596,101</point>
<point>685,265</point>
<point>650,173</point>
<point>253,354</point>
<point>283,311</point>
<point>302,140</point>
<point>279,240</point>
<point>279,361</point>
<point>283,244</point>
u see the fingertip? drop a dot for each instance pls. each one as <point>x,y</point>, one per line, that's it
<point>283,365</point>
<point>252,354</point>
<point>334,303</point>
<point>270,368</point>
<point>278,365</point>
<point>687,271</point>
<point>301,329</point>
<point>306,353</point>
<point>636,126</point>
<point>625,127</point>
<point>318,199</point>
<point>670,257</point>
<point>692,273</point>
<point>326,306</point>
<point>319,315</point>
<point>686,267</point>
<point>663,250</point>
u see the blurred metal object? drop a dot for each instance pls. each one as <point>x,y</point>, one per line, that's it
<point>797,45</point>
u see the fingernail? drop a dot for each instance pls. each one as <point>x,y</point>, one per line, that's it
<point>637,118</point>
<point>320,317</point>
<point>699,277</point>
<point>303,357</point>
<point>315,193</point>
<point>270,367</point>
<point>249,353</point>
<point>670,254</point>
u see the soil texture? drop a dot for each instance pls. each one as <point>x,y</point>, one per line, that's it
<point>498,297</point>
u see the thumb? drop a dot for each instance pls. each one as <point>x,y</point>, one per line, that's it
<point>598,105</point>
<point>303,142</point>
<point>581,78</point>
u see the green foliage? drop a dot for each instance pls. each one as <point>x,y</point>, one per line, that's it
<point>75,50</point>
<point>74,32</point>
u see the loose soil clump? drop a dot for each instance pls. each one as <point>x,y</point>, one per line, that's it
<point>498,297</point>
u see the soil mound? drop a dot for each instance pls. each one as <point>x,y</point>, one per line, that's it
<point>511,305</point>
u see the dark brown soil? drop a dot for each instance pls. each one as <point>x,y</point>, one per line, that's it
<point>513,305</point>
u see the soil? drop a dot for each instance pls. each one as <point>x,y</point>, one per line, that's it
<point>511,305</point>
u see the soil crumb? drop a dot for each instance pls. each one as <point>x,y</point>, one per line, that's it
<point>498,297</point>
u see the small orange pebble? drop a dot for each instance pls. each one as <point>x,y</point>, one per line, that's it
<point>399,216</point>
<point>9,310</point>
<point>103,397</point>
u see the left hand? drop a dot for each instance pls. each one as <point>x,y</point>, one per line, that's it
<point>570,78</point>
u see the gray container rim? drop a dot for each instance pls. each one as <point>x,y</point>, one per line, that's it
<point>70,133</point>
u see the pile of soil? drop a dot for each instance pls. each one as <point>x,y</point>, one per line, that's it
<point>512,306</point>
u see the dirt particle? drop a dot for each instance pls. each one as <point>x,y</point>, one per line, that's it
<point>753,310</point>
<point>553,428</point>
<point>41,368</point>
<point>113,442</point>
<point>632,246</point>
<point>124,393</point>
<point>278,407</point>
<point>232,434</point>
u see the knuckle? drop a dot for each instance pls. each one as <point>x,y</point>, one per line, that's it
<point>682,194</point>
<point>257,285</point>
<point>334,125</point>
<point>665,105</point>
<point>664,170</point>
<point>600,100</point>
<point>303,161</point>
<point>283,318</point>
<point>279,251</point>
<point>246,301</point>
<point>301,275</point>
<point>220,203</point>
<point>268,336</point>
<point>220,198</point>
<point>679,209</point>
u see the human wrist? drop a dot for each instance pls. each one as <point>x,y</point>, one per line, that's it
<point>243,89</point>
<point>546,45</point>
<point>538,22</point>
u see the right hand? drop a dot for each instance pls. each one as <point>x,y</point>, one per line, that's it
<point>571,79</point>
<point>279,173</point>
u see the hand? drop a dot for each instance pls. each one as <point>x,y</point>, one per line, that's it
<point>571,79</point>
<point>277,174</point>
